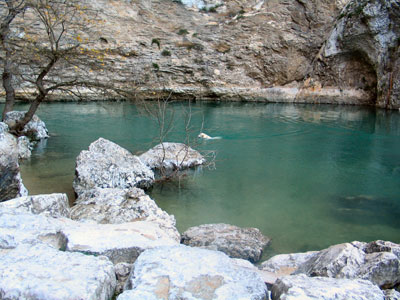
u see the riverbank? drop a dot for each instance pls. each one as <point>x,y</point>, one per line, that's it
<point>291,94</point>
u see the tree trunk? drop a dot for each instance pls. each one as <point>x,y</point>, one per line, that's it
<point>14,8</point>
<point>19,125</point>
<point>7,84</point>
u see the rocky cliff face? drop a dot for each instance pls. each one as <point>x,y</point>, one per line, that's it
<point>363,51</point>
<point>265,50</point>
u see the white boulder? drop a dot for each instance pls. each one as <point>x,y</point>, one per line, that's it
<point>107,165</point>
<point>301,287</point>
<point>119,242</point>
<point>114,206</point>
<point>172,156</point>
<point>54,205</point>
<point>35,129</point>
<point>40,272</point>
<point>184,273</point>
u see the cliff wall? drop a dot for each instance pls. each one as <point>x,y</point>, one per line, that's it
<point>273,50</point>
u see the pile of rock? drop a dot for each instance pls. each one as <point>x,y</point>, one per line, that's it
<point>12,149</point>
<point>354,270</point>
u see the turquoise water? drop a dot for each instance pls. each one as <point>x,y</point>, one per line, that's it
<point>307,176</point>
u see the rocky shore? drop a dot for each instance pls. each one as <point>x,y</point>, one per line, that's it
<point>116,242</point>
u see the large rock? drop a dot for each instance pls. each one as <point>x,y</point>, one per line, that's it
<point>377,261</point>
<point>25,228</point>
<point>35,130</point>
<point>301,287</point>
<point>24,147</point>
<point>55,205</point>
<point>40,272</point>
<point>10,178</point>
<point>245,243</point>
<point>112,206</point>
<point>391,295</point>
<point>107,165</point>
<point>119,242</point>
<point>184,273</point>
<point>172,156</point>
<point>286,264</point>
<point>363,51</point>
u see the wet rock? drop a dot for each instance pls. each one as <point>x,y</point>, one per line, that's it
<point>35,130</point>
<point>40,272</point>
<point>245,243</point>
<point>172,156</point>
<point>113,206</point>
<point>286,264</point>
<point>54,205</point>
<point>119,242</point>
<point>107,165</point>
<point>301,287</point>
<point>24,147</point>
<point>377,261</point>
<point>10,178</point>
<point>182,272</point>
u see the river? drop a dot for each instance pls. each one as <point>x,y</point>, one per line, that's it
<point>308,176</point>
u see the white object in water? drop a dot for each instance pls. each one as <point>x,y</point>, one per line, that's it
<point>202,135</point>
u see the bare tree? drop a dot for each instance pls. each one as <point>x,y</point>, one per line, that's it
<point>52,47</point>
<point>163,112</point>
<point>10,9</point>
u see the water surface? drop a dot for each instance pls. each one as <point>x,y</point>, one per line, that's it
<point>307,176</point>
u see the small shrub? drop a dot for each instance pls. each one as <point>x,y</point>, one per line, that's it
<point>212,9</point>
<point>183,32</point>
<point>156,67</point>
<point>166,52</point>
<point>157,42</point>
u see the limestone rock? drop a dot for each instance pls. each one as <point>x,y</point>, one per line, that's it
<point>55,205</point>
<point>107,165</point>
<point>40,272</point>
<point>245,243</point>
<point>172,156</point>
<point>286,264</point>
<point>377,261</point>
<point>10,179</point>
<point>362,51</point>
<point>391,295</point>
<point>113,206</point>
<point>182,272</point>
<point>122,271</point>
<point>26,228</point>
<point>24,147</point>
<point>35,130</point>
<point>301,287</point>
<point>119,242</point>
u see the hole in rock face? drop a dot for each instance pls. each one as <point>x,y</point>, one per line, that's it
<point>57,240</point>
